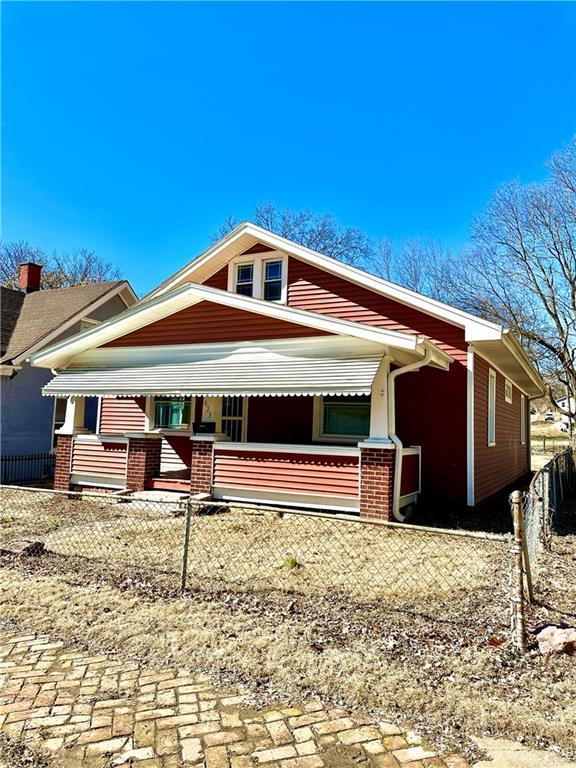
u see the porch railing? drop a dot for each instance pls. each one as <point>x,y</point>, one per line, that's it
<point>310,475</point>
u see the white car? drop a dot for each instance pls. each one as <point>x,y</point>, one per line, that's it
<point>549,416</point>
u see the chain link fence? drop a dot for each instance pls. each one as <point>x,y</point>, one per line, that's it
<point>548,492</point>
<point>535,512</point>
<point>210,545</point>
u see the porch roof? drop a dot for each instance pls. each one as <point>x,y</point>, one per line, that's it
<point>315,366</point>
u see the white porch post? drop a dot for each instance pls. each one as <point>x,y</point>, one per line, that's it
<point>74,418</point>
<point>379,425</point>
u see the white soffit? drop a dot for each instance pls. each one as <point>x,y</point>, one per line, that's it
<point>187,295</point>
<point>509,362</point>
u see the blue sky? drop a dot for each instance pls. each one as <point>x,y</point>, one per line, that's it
<point>133,129</point>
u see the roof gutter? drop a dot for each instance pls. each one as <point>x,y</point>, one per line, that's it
<point>392,427</point>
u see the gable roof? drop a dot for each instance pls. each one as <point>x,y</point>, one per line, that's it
<point>30,319</point>
<point>10,306</point>
<point>247,235</point>
<point>488,337</point>
<point>186,295</point>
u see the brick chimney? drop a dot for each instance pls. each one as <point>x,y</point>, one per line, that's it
<point>29,275</point>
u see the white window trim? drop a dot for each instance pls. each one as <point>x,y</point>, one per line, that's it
<point>318,435</point>
<point>522,419</point>
<point>258,260</point>
<point>492,409</point>
<point>243,419</point>
<point>150,416</point>
<point>508,384</point>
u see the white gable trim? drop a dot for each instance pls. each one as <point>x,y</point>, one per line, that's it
<point>189,294</point>
<point>475,328</point>
<point>124,288</point>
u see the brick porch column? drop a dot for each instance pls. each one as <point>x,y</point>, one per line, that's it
<point>201,465</point>
<point>143,459</point>
<point>376,480</point>
<point>63,465</point>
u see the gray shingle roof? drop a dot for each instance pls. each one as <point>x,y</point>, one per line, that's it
<point>26,319</point>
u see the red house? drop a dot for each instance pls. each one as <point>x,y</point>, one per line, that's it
<point>265,371</point>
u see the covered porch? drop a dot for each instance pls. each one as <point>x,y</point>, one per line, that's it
<point>301,423</point>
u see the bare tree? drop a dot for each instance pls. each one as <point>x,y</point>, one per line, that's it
<point>420,265</point>
<point>521,268</point>
<point>13,254</point>
<point>60,270</point>
<point>321,232</point>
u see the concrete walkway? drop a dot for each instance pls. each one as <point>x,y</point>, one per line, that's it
<point>94,712</point>
<point>510,754</point>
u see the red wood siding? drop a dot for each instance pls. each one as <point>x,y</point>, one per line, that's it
<point>280,420</point>
<point>298,473</point>
<point>431,404</point>
<point>499,465</point>
<point>176,453</point>
<point>409,482</point>
<point>122,414</point>
<point>100,459</point>
<point>315,290</point>
<point>218,279</point>
<point>208,322</point>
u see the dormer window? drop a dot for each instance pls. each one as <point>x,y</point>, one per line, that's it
<point>262,276</point>
<point>272,281</point>
<point>245,279</point>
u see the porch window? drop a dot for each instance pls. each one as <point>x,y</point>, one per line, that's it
<point>234,417</point>
<point>172,412</point>
<point>272,281</point>
<point>245,279</point>
<point>522,419</point>
<point>345,417</point>
<point>491,407</point>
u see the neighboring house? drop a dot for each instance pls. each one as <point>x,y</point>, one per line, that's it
<point>567,404</point>
<point>31,319</point>
<point>267,372</point>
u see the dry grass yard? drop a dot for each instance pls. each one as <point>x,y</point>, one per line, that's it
<point>259,549</point>
<point>438,661</point>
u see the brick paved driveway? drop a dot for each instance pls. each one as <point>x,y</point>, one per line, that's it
<point>92,711</point>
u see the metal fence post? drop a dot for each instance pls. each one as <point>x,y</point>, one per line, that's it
<point>186,543</point>
<point>518,624</point>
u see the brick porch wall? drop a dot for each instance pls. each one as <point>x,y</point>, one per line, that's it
<point>201,466</point>
<point>63,462</point>
<point>376,482</point>
<point>143,461</point>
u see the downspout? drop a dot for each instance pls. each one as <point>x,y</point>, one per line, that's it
<point>392,426</point>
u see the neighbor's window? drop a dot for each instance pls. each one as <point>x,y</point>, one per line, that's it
<point>491,408</point>
<point>233,417</point>
<point>347,417</point>
<point>172,412</point>
<point>245,279</point>
<point>507,391</point>
<point>522,419</point>
<point>272,281</point>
